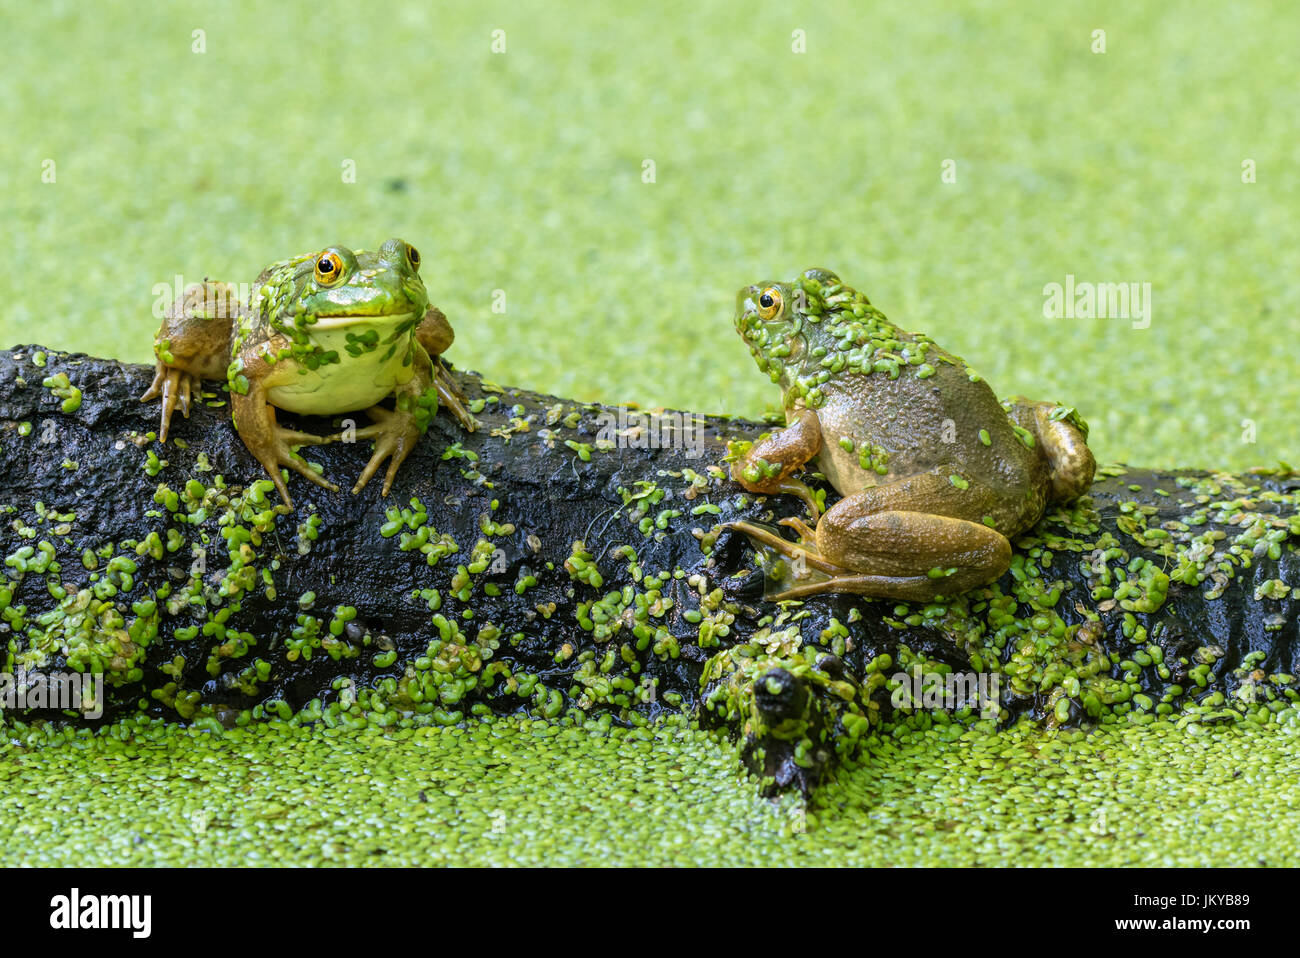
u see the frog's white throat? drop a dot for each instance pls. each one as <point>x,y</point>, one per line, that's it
<point>363,374</point>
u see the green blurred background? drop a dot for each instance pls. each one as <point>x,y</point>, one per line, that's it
<point>523,172</point>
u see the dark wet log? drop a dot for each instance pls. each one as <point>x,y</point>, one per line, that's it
<point>567,558</point>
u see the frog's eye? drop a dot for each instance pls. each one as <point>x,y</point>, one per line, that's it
<point>413,257</point>
<point>329,268</point>
<point>769,303</point>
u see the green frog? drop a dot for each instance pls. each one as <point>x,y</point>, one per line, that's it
<point>319,334</point>
<point>937,476</point>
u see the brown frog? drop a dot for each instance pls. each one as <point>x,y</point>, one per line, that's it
<point>937,475</point>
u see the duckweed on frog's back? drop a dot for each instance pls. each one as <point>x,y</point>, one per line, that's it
<point>937,475</point>
<point>320,334</point>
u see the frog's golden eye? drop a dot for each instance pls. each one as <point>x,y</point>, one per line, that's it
<point>769,303</point>
<point>413,257</point>
<point>329,268</point>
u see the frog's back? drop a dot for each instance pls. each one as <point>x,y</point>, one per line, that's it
<point>878,429</point>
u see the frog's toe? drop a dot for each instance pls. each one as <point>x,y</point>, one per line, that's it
<point>449,395</point>
<point>447,384</point>
<point>379,427</point>
<point>801,528</point>
<point>155,387</point>
<point>395,436</point>
<point>175,386</point>
<point>298,465</point>
<point>280,452</point>
<point>288,458</point>
<point>389,475</point>
<point>368,473</point>
<point>294,438</point>
<point>463,416</point>
<point>382,452</point>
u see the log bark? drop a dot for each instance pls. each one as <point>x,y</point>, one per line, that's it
<point>564,560</point>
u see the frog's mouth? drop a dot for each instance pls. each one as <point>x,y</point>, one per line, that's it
<point>364,319</point>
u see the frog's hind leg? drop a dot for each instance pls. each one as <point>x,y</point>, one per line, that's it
<point>808,573</point>
<point>436,336</point>
<point>885,542</point>
<point>898,547</point>
<point>977,565</point>
<point>1063,441</point>
<point>268,442</point>
<point>192,344</point>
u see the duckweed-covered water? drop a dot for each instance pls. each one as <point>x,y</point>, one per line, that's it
<point>533,793</point>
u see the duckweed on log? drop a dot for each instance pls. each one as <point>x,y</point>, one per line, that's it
<point>507,576</point>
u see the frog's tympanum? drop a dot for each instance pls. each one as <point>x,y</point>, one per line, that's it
<point>320,334</point>
<point>936,474</point>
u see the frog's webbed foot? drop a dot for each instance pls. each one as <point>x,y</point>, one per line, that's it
<point>273,445</point>
<point>792,569</point>
<point>395,435</point>
<point>281,451</point>
<point>451,396</point>
<point>803,550</point>
<point>176,387</point>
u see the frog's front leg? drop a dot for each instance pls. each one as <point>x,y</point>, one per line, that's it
<point>396,431</point>
<point>436,336</point>
<point>887,542</point>
<point>255,422</point>
<point>769,465</point>
<point>192,344</point>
